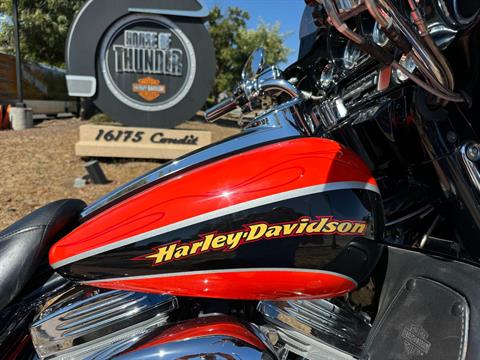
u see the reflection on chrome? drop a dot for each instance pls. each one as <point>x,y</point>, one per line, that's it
<point>83,321</point>
<point>208,347</point>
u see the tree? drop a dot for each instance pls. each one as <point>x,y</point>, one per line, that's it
<point>44,26</point>
<point>234,43</point>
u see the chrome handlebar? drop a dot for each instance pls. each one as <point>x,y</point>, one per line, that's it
<point>268,83</point>
<point>221,109</point>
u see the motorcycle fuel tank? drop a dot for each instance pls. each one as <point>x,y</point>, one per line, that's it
<point>296,219</point>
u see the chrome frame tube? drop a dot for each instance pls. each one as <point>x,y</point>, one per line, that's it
<point>412,36</point>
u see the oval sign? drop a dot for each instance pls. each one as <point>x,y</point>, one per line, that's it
<point>148,62</point>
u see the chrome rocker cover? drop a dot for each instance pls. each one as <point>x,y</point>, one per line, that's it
<point>84,321</point>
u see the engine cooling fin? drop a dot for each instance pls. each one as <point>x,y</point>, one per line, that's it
<point>316,330</point>
<point>85,321</point>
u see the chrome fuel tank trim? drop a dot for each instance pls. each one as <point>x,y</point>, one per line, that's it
<point>470,166</point>
<point>85,320</point>
<point>275,125</point>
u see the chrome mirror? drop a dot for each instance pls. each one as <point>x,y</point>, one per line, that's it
<point>254,64</point>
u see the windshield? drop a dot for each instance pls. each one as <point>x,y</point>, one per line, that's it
<point>307,26</point>
<point>308,31</point>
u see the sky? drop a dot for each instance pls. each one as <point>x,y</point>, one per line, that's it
<point>287,12</point>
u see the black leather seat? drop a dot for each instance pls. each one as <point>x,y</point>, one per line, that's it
<point>25,244</point>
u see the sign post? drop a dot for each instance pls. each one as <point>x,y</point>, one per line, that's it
<point>20,117</point>
<point>18,56</point>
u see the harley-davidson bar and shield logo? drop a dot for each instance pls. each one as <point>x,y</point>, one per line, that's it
<point>149,88</point>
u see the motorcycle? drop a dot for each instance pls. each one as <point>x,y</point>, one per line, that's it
<point>342,223</point>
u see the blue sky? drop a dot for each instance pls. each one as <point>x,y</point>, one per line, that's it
<point>287,12</point>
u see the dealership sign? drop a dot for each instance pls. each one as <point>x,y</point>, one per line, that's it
<point>147,63</point>
<point>127,142</point>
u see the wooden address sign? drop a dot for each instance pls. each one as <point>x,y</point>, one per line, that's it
<point>142,143</point>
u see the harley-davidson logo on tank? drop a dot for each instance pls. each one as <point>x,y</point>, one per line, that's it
<point>147,63</point>
<point>322,225</point>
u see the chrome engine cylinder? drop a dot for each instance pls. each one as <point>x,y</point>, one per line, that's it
<point>316,330</point>
<point>84,321</point>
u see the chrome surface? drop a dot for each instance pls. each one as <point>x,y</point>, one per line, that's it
<point>308,348</point>
<point>460,17</point>
<point>253,136</point>
<point>329,113</point>
<point>352,56</point>
<point>455,17</point>
<point>361,89</point>
<point>257,83</point>
<point>473,152</point>
<point>336,110</point>
<point>317,329</point>
<point>207,347</point>
<point>345,5</point>
<point>422,52</point>
<point>287,114</point>
<point>254,64</point>
<point>441,34</point>
<point>85,320</point>
<point>408,63</point>
<point>200,338</point>
<point>429,59</point>
<point>468,153</point>
<point>327,78</point>
<point>222,108</point>
<point>279,85</point>
<point>378,36</point>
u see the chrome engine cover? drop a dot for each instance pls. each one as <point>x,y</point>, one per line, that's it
<point>315,330</point>
<point>85,321</point>
<point>214,336</point>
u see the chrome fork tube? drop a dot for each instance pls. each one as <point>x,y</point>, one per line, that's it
<point>422,26</point>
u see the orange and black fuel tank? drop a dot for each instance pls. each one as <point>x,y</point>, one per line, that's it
<point>295,219</point>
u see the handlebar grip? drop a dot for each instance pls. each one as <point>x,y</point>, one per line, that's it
<point>220,109</point>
